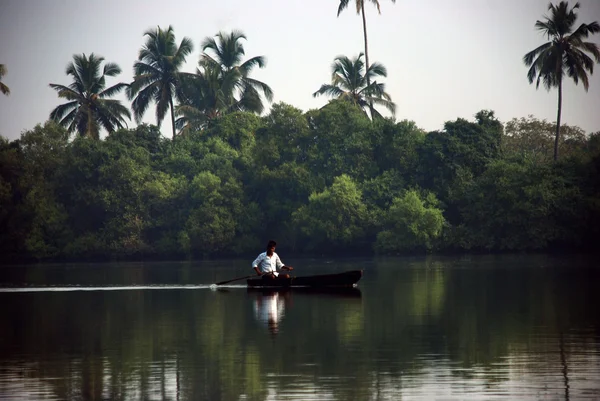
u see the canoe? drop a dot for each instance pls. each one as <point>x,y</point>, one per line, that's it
<point>345,279</point>
<point>319,292</point>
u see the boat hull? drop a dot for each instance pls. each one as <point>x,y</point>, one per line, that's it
<point>329,292</point>
<point>345,279</point>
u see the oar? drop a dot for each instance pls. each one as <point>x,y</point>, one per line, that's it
<point>236,279</point>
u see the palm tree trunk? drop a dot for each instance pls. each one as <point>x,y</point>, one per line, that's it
<point>364,18</point>
<point>89,128</point>
<point>172,116</point>
<point>558,119</point>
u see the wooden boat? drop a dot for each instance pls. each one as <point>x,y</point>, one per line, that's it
<point>329,292</point>
<point>345,279</point>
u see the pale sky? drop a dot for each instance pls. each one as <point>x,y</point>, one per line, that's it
<point>445,58</point>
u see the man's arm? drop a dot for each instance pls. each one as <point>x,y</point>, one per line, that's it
<point>255,264</point>
<point>281,266</point>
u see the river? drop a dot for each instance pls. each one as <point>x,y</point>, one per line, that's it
<point>484,327</point>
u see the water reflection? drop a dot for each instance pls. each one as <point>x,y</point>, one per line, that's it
<point>269,308</point>
<point>270,304</point>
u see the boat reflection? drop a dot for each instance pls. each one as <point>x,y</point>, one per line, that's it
<point>337,292</point>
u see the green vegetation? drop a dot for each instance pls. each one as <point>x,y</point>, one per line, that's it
<point>323,181</point>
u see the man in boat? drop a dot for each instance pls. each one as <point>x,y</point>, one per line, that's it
<point>267,264</point>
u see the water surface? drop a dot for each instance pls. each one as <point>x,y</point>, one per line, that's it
<point>448,328</point>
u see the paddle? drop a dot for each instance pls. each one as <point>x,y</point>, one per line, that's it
<point>236,279</point>
<point>254,275</point>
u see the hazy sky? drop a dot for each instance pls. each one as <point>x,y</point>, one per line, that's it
<point>445,58</point>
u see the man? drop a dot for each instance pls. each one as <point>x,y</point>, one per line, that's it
<point>267,263</point>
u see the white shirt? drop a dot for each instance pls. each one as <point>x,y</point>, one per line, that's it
<point>268,264</point>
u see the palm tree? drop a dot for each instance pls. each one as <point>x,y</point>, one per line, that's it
<point>241,91</point>
<point>3,88</point>
<point>350,82</point>
<point>204,97</point>
<point>360,9</point>
<point>565,53</point>
<point>156,74</point>
<point>88,107</point>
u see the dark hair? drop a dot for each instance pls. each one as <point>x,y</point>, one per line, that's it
<point>271,243</point>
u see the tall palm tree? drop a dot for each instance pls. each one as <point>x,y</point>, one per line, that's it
<point>360,9</point>
<point>88,107</point>
<point>565,53</point>
<point>156,74</point>
<point>243,92</point>
<point>350,82</point>
<point>3,88</point>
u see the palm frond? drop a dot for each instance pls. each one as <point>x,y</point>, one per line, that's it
<point>388,104</point>
<point>584,30</point>
<point>250,100</point>
<point>576,66</point>
<point>111,69</point>
<point>258,85</point>
<point>139,82</point>
<point>143,68</point>
<point>116,109</point>
<point>530,57</point>
<point>3,88</point>
<point>342,6</point>
<point>113,90</point>
<point>329,90</point>
<point>377,70</point>
<point>68,121</point>
<point>59,111</point>
<point>65,92</point>
<point>376,3</point>
<point>111,114</point>
<point>591,48</point>
<point>249,64</point>
<point>185,48</point>
<point>141,102</point>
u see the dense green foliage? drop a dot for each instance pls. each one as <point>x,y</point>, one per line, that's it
<point>324,181</point>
